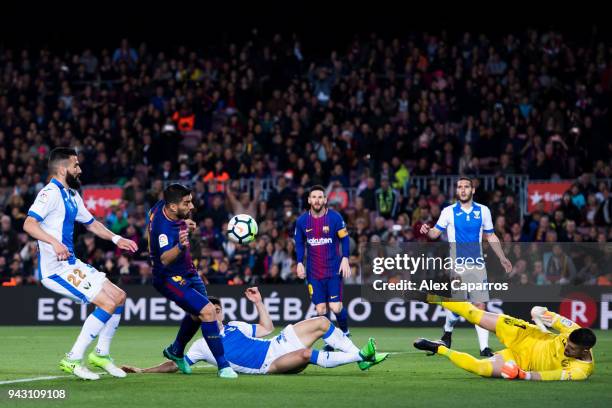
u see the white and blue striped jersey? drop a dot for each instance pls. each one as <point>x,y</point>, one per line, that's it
<point>56,208</point>
<point>245,352</point>
<point>465,228</point>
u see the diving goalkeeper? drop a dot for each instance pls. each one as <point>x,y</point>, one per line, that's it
<point>532,353</point>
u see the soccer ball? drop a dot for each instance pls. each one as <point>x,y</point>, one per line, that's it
<point>242,228</point>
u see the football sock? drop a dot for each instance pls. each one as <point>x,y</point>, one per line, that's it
<point>342,320</point>
<point>210,331</point>
<point>338,340</point>
<point>467,362</point>
<point>451,320</point>
<point>187,330</point>
<point>333,358</point>
<point>108,331</point>
<point>91,328</point>
<point>465,309</point>
<point>483,337</point>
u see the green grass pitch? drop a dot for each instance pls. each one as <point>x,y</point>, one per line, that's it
<point>407,379</point>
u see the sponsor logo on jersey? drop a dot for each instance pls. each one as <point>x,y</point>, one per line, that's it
<point>308,229</point>
<point>319,241</point>
<point>163,240</point>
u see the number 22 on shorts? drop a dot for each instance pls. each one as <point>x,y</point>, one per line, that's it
<point>73,278</point>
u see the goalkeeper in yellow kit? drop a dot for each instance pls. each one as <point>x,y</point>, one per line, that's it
<point>531,353</point>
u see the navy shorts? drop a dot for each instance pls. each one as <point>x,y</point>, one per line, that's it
<point>188,292</point>
<point>325,290</point>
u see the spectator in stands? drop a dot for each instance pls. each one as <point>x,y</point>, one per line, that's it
<point>387,199</point>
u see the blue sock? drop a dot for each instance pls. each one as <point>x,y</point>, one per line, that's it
<point>188,329</point>
<point>314,356</point>
<point>342,320</point>
<point>210,331</point>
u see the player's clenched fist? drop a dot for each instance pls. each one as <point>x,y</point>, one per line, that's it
<point>253,294</point>
<point>191,225</point>
<point>184,238</point>
<point>425,229</point>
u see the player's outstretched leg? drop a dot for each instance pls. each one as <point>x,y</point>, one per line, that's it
<point>101,357</point>
<point>310,330</point>
<point>95,322</point>
<point>212,335</point>
<point>471,313</point>
<point>485,368</point>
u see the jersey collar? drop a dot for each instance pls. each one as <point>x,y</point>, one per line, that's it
<point>461,208</point>
<point>323,215</point>
<point>57,183</point>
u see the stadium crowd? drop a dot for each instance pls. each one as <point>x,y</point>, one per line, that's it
<point>361,122</point>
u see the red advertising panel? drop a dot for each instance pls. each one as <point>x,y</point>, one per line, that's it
<point>99,200</point>
<point>550,193</point>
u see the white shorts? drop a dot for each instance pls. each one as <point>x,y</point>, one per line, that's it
<point>286,342</point>
<point>79,282</point>
<point>473,273</point>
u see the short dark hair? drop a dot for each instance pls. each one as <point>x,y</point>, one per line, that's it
<point>467,179</point>
<point>174,193</point>
<point>316,187</point>
<point>214,300</point>
<point>583,337</point>
<point>58,155</point>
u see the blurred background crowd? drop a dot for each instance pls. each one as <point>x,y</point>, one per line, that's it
<point>251,124</point>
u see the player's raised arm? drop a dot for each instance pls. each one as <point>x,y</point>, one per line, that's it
<point>544,317</point>
<point>265,325</point>
<point>96,227</point>
<point>299,238</point>
<point>489,234</point>
<point>101,231</point>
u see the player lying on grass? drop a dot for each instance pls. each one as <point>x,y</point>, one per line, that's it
<point>532,352</point>
<point>289,352</point>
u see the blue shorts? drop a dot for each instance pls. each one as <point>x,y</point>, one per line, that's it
<point>325,290</point>
<point>187,292</point>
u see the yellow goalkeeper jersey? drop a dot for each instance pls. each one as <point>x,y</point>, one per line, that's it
<point>534,350</point>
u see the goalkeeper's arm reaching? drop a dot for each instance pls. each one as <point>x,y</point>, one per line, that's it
<point>544,318</point>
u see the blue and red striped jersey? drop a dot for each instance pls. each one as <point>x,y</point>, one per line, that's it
<point>164,235</point>
<point>322,236</point>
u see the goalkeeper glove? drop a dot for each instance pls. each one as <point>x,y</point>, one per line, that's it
<point>510,371</point>
<point>542,317</point>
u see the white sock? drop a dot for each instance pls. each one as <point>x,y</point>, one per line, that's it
<point>329,359</point>
<point>108,331</point>
<point>91,328</point>
<point>451,320</point>
<point>338,340</point>
<point>483,337</point>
